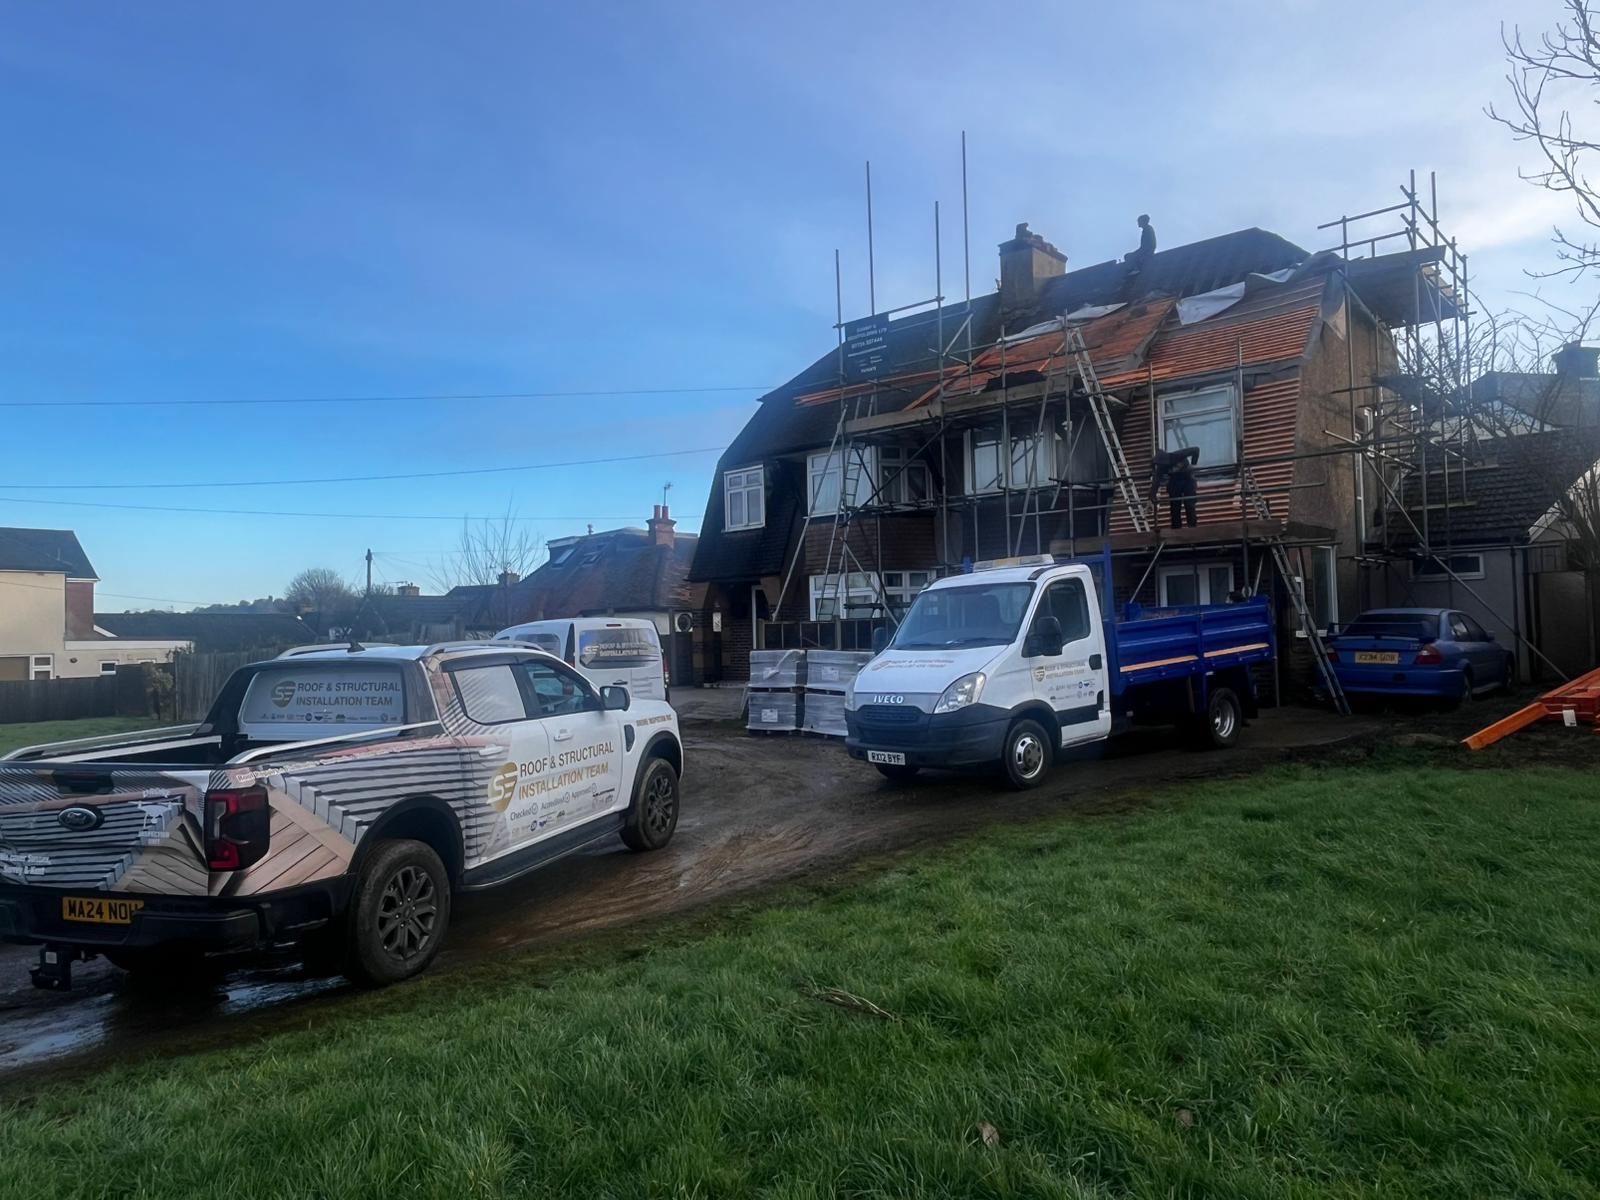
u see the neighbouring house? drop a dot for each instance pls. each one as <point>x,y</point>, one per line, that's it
<point>205,632</point>
<point>47,618</point>
<point>1567,397</point>
<point>923,443</point>
<point>629,572</point>
<point>408,617</point>
<point>1502,553</point>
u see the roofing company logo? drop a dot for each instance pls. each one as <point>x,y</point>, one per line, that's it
<point>1038,674</point>
<point>283,693</point>
<point>502,786</point>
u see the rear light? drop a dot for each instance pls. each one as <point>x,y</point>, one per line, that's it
<point>1333,655</point>
<point>1429,656</point>
<point>237,828</point>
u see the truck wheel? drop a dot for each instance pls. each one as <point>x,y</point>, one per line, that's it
<point>1027,755</point>
<point>398,915</point>
<point>653,815</point>
<point>1223,719</point>
<point>897,772</point>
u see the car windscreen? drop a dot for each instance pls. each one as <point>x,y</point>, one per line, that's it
<point>1392,625</point>
<point>976,614</point>
<point>320,699</point>
<point>626,646</point>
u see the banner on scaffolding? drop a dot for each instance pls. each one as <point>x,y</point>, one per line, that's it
<point>866,348</point>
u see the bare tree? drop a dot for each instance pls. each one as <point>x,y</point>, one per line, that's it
<point>1549,75</point>
<point>319,589</point>
<point>488,549</point>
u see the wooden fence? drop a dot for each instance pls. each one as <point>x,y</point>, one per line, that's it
<point>125,694</point>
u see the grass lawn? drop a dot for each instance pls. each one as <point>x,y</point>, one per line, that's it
<point>1378,979</point>
<point>33,733</point>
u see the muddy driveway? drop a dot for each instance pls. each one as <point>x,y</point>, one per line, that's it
<point>756,811</point>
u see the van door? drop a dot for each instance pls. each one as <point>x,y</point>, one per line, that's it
<point>584,773</point>
<point>493,700</point>
<point>623,656</point>
<point>1072,683</point>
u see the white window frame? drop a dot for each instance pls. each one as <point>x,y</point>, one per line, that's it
<point>744,483</point>
<point>833,473</point>
<point>108,662</point>
<point>862,590</point>
<point>1045,448</point>
<point>895,484</point>
<point>1201,573</point>
<point>900,588</point>
<point>1441,576</point>
<point>1227,401</point>
<point>1330,555</point>
<point>38,663</point>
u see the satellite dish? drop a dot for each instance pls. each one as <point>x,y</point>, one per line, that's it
<point>683,622</point>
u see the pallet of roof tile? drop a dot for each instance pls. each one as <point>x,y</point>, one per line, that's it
<point>777,668</point>
<point>775,710</point>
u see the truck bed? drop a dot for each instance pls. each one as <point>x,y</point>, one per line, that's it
<point>1156,645</point>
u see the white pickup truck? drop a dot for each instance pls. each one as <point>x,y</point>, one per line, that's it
<point>333,797</point>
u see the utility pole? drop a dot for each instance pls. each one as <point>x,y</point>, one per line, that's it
<point>369,572</point>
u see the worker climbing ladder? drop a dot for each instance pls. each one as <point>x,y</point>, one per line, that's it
<point>1251,491</point>
<point>1099,406</point>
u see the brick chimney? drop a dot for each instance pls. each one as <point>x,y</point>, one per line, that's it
<point>1577,361</point>
<point>407,589</point>
<point>1026,261</point>
<point>507,578</point>
<point>661,526</point>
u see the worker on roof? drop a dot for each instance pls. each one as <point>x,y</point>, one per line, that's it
<point>1175,468</point>
<point>1136,259</point>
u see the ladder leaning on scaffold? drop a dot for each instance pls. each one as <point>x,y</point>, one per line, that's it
<point>1127,489</point>
<point>1253,496</point>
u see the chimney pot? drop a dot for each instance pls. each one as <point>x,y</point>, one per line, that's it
<point>661,527</point>
<point>407,589</point>
<point>1577,361</point>
<point>1026,262</point>
<point>507,578</point>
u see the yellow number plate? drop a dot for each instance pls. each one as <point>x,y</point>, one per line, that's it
<point>99,910</point>
<point>1386,657</point>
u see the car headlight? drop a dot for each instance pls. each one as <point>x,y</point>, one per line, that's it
<point>961,693</point>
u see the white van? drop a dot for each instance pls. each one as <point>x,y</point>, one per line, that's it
<point>607,651</point>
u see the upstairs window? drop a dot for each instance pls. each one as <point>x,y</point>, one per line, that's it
<point>1201,583</point>
<point>855,594</point>
<point>1031,461</point>
<point>743,499</point>
<point>903,478</point>
<point>827,473</point>
<point>1207,419</point>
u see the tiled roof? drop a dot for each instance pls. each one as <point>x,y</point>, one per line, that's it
<point>44,550</point>
<point>628,573</point>
<point>1515,482</point>
<point>212,630</point>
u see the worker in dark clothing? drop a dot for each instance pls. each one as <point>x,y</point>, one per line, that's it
<point>1175,468</point>
<point>1147,236</point>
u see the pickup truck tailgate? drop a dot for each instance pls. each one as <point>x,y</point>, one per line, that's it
<point>100,828</point>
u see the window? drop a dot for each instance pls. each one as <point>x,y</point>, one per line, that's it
<point>743,501</point>
<point>490,694</point>
<point>1032,461</point>
<point>977,614</point>
<point>1068,604</point>
<point>1458,627</point>
<point>298,698</point>
<point>1203,583</point>
<point>854,595</point>
<point>823,473</point>
<point>552,692</point>
<point>615,648</point>
<point>42,666</point>
<point>1323,592</point>
<point>560,554</point>
<point>1465,566</point>
<point>1207,419</point>
<point>108,666</point>
<point>903,478</point>
<point>900,588</point>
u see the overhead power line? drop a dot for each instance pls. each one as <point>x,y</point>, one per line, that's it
<point>334,516</point>
<point>238,483</point>
<point>595,393</point>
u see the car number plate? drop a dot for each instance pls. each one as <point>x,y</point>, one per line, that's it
<point>99,910</point>
<point>888,758</point>
<point>1386,657</point>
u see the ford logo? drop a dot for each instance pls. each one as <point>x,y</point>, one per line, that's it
<point>80,819</point>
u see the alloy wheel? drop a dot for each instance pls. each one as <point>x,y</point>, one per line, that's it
<point>407,912</point>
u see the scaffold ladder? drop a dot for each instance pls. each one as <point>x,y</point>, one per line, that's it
<point>1099,406</point>
<point>1292,580</point>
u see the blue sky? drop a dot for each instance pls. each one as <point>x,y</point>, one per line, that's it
<point>231,202</point>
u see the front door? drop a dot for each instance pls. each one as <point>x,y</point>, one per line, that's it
<point>1072,683</point>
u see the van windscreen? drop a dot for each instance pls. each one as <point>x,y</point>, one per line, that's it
<point>624,647</point>
<point>973,614</point>
<point>322,696</point>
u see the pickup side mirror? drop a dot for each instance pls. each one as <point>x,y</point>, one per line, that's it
<point>1046,640</point>
<point>614,698</point>
<point>880,639</point>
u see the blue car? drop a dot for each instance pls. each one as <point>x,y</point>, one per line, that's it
<point>1432,652</point>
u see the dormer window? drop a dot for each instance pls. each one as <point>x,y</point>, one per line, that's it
<point>743,499</point>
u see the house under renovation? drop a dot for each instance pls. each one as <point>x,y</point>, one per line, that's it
<point>1033,420</point>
